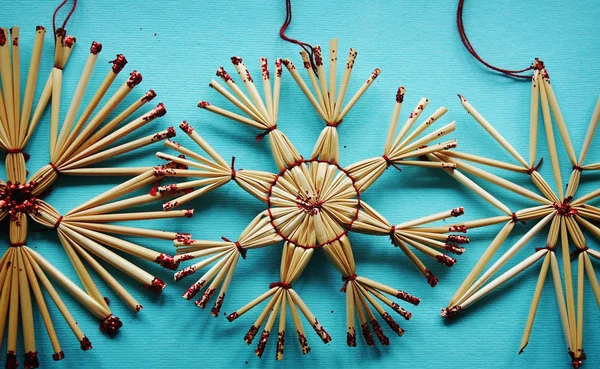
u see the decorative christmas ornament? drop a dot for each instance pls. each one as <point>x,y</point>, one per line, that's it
<point>311,203</point>
<point>85,232</point>
<point>564,212</point>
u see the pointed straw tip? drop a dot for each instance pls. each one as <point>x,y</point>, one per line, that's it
<point>95,48</point>
<point>462,98</point>
<point>523,347</point>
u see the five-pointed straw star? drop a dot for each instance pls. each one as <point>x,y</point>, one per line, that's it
<point>562,211</point>
<point>86,232</point>
<point>312,203</point>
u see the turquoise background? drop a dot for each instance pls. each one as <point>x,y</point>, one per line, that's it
<point>177,46</point>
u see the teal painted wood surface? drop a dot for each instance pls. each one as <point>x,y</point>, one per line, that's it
<point>177,46</point>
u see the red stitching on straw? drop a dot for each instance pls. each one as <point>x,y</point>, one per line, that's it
<point>266,132</point>
<point>284,285</point>
<point>471,50</point>
<point>338,237</point>
<point>241,250</point>
<point>536,167</point>
<point>346,280</point>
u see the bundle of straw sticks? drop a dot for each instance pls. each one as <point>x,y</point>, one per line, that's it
<point>563,212</point>
<point>86,232</point>
<point>311,203</point>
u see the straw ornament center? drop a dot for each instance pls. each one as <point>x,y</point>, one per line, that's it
<point>312,198</point>
<point>18,198</point>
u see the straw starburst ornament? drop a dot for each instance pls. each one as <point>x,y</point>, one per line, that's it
<point>312,203</point>
<point>86,232</point>
<point>561,211</point>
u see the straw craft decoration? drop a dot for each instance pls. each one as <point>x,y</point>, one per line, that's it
<point>86,232</point>
<point>311,203</point>
<point>559,209</point>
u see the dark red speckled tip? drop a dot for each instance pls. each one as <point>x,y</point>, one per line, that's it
<point>157,112</point>
<point>57,356</point>
<point>185,127</point>
<point>60,32</point>
<point>40,28</point>
<point>224,75</point>
<point>119,63</point>
<point>408,298</point>
<point>236,60</point>
<point>383,339</point>
<point>151,94</point>
<point>431,279</point>
<point>249,337</point>
<point>262,343</point>
<point>457,212</point>
<point>135,78</point>
<point>400,94</point>
<point>157,285</point>
<point>303,342</point>
<point>167,261</point>
<point>85,344</point>
<point>31,360</point>
<point>233,316</point>
<point>11,360</point>
<point>445,259</point>
<point>2,37</point>
<point>203,104</point>
<point>458,228</point>
<point>351,337</point>
<point>403,313</point>
<point>170,134</point>
<point>95,48</point>
<point>111,325</point>
<point>367,334</point>
<point>450,312</point>
<point>392,323</point>
<point>70,41</point>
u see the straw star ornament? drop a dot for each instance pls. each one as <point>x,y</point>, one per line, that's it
<point>562,212</point>
<point>311,203</point>
<point>86,233</point>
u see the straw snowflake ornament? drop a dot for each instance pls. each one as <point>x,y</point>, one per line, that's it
<point>26,277</point>
<point>311,203</point>
<point>562,212</point>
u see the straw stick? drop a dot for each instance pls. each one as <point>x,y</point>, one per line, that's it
<point>533,129</point>
<point>358,94</point>
<point>551,142</point>
<point>561,301</point>
<point>560,121</point>
<point>492,131</point>
<point>534,303</point>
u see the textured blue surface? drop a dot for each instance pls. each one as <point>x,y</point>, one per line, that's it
<point>177,46</point>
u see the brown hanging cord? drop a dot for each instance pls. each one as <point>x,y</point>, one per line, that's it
<point>66,19</point>
<point>307,47</point>
<point>467,43</point>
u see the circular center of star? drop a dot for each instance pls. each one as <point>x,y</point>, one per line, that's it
<point>313,203</point>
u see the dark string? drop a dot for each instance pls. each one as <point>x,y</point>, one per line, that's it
<point>467,43</point>
<point>66,19</point>
<point>307,47</point>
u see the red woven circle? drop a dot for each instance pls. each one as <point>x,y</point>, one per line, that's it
<point>346,227</point>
